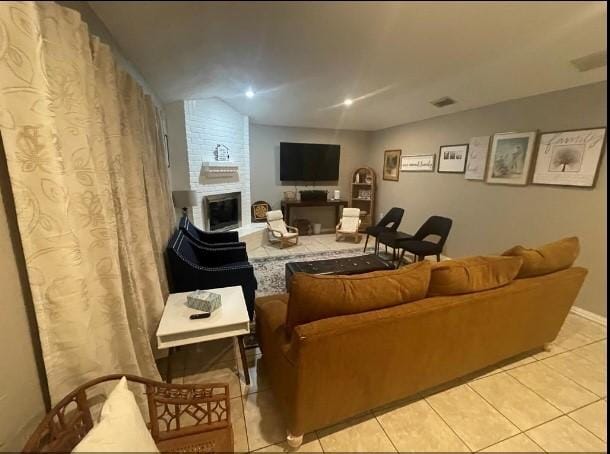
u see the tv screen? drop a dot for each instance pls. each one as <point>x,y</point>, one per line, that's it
<point>309,162</point>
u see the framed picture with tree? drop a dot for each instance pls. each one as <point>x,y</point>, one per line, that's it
<point>570,158</point>
<point>391,163</point>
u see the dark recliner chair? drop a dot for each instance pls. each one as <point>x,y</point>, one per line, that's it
<point>208,239</point>
<point>194,267</point>
<point>389,223</point>
<point>420,247</point>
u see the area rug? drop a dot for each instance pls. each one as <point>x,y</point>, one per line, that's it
<point>270,271</point>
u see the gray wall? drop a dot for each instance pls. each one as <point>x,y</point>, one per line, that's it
<point>491,218</point>
<point>265,164</point>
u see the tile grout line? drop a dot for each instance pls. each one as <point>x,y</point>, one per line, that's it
<point>384,431</point>
<point>425,399</point>
<point>501,414</point>
<point>572,380</point>
<point>581,425</point>
<point>521,431</point>
<point>533,441</point>
<point>535,392</point>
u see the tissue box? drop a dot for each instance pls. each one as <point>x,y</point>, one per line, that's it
<point>203,300</point>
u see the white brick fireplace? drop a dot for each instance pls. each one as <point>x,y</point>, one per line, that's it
<point>196,128</point>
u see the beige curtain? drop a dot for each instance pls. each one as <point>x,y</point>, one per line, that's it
<point>89,176</point>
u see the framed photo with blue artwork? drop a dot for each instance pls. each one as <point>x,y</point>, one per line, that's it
<point>511,157</point>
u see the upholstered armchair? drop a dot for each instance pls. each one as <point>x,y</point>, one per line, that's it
<point>349,224</point>
<point>194,267</point>
<point>280,232</point>
<point>208,239</point>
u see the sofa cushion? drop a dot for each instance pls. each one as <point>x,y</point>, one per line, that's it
<point>546,259</point>
<point>314,297</point>
<point>121,428</point>
<point>472,274</point>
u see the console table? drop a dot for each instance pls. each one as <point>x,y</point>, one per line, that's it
<point>287,205</point>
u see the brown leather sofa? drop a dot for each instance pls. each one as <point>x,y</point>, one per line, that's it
<point>327,370</point>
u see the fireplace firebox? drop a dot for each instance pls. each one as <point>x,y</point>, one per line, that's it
<point>222,212</point>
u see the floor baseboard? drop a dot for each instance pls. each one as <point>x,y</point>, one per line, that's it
<point>589,315</point>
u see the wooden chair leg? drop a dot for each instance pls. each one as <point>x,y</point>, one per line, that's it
<point>366,242</point>
<point>438,257</point>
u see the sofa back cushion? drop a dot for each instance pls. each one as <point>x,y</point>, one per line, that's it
<point>472,274</point>
<point>546,259</point>
<point>316,297</point>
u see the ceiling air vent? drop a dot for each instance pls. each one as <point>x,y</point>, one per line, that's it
<point>446,101</point>
<point>591,61</point>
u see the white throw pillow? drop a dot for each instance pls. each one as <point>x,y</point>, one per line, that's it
<point>121,427</point>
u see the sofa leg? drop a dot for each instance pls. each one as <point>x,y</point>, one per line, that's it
<point>547,347</point>
<point>294,441</point>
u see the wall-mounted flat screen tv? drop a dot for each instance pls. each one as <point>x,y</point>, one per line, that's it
<point>309,162</point>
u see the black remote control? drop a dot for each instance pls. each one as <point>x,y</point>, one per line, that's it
<point>198,316</point>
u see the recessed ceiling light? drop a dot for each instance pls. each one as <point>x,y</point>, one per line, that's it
<point>348,102</point>
<point>249,93</point>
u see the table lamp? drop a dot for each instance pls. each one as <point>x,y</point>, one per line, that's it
<point>184,200</point>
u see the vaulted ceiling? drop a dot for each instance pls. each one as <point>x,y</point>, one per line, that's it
<point>302,59</point>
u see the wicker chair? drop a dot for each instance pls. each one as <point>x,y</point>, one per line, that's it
<point>183,418</point>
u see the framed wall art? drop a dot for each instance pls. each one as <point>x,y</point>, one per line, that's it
<point>452,158</point>
<point>569,158</point>
<point>510,158</point>
<point>417,163</point>
<point>391,161</point>
<point>477,158</point>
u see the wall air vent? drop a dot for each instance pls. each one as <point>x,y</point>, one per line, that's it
<point>591,61</point>
<point>446,101</point>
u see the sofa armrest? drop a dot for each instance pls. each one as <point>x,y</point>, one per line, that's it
<point>272,310</point>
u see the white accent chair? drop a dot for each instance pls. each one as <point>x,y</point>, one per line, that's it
<point>349,224</point>
<point>279,231</point>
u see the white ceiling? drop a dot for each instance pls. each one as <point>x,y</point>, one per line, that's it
<point>304,58</point>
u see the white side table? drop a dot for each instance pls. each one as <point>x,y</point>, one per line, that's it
<point>230,320</point>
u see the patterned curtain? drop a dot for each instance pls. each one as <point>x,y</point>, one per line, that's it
<point>89,176</point>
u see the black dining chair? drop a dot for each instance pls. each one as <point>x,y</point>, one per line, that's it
<point>420,247</point>
<point>389,223</point>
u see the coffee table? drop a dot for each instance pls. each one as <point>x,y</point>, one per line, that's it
<point>346,265</point>
<point>230,320</point>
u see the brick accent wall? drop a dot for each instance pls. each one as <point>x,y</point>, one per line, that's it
<point>208,123</point>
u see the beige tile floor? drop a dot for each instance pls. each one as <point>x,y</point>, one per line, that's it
<point>543,401</point>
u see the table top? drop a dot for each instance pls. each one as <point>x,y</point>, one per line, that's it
<point>230,320</point>
<point>344,265</point>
